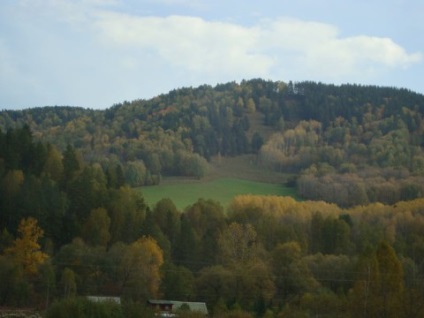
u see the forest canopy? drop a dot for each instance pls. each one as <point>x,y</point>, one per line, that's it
<point>72,224</point>
<point>366,140</point>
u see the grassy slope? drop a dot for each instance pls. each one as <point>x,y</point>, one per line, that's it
<point>223,190</point>
<point>227,177</point>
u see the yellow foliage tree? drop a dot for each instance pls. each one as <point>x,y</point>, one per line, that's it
<point>53,167</point>
<point>25,249</point>
<point>378,290</point>
<point>12,182</point>
<point>244,257</point>
<point>238,244</point>
<point>140,268</point>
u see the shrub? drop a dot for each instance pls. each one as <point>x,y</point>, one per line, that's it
<point>84,308</point>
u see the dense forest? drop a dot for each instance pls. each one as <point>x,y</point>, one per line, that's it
<point>366,141</point>
<point>71,224</point>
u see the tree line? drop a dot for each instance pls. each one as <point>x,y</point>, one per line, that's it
<point>364,138</point>
<point>73,228</point>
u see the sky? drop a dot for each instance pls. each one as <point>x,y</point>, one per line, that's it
<point>97,53</point>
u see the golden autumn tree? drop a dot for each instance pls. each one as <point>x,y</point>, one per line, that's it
<point>391,284</point>
<point>378,290</point>
<point>140,269</point>
<point>12,182</point>
<point>53,166</point>
<point>25,249</point>
<point>238,244</point>
<point>244,256</point>
<point>364,289</point>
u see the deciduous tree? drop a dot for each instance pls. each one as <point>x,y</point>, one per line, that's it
<point>238,244</point>
<point>96,228</point>
<point>140,269</point>
<point>26,249</point>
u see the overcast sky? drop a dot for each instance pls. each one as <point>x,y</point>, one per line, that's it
<point>95,53</point>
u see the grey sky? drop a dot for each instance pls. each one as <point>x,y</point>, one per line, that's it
<point>94,53</point>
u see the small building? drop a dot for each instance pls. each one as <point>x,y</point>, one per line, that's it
<point>103,299</point>
<point>170,308</point>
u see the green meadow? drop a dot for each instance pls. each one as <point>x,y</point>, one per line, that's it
<point>222,190</point>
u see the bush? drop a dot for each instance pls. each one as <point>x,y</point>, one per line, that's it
<point>84,308</point>
<point>136,310</point>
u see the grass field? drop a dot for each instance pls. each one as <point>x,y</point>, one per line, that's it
<point>222,190</point>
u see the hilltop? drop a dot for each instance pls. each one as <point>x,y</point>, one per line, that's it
<point>361,138</point>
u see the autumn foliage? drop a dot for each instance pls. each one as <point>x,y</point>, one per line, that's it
<point>26,250</point>
<point>352,246</point>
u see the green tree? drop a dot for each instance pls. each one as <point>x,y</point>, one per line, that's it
<point>191,164</point>
<point>10,186</point>
<point>87,191</point>
<point>151,229</point>
<point>71,164</point>
<point>206,218</point>
<point>293,276</point>
<point>12,182</point>
<point>47,203</point>
<point>87,263</point>
<point>135,173</point>
<point>316,233</point>
<point>68,283</point>
<point>85,308</point>
<point>6,240</point>
<point>95,229</point>
<point>215,284</point>
<point>127,211</point>
<point>45,285</point>
<point>334,272</point>
<point>255,286</point>
<point>188,246</point>
<point>336,236</point>
<point>115,176</point>
<point>324,304</point>
<point>257,142</point>
<point>177,282</point>
<point>13,282</point>
<point>167,217</point>
<point>52,210</point>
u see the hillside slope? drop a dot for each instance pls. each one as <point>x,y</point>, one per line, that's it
<point>358,137</point>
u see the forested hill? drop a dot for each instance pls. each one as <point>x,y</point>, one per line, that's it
<point>363,140</point>
<point>70,224</point>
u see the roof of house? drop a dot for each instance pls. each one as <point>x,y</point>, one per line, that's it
<point>101,299</point>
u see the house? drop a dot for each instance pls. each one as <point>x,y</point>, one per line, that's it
<point>102,299</point>
<point>170,308</point>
